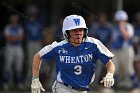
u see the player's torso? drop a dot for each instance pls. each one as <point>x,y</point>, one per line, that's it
<point>77,63</point>
<point>13,32</point>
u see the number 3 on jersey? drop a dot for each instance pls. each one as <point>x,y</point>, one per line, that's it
<point>78,69</point>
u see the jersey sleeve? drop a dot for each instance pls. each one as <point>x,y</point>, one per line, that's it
<point>102,52</point>
<point>48,51</point>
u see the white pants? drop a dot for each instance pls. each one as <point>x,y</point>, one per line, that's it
<point>124,64</point>
<point>13,55</point>
<point>60,88</point>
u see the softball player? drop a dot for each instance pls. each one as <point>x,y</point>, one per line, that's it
<point>75,58</point>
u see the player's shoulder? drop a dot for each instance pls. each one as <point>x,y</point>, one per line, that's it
<point>92,40</point>
<point>51,47</point>
<point>56,44</point>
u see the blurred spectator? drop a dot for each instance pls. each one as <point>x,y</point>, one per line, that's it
<point>136,45</point>
<point>33,28</point>
<point>49,35</point>
<point>58,32</point>
<point>13,54</point>
<point>122,48</point>
<point>91,22</point>
<point>102,31</point>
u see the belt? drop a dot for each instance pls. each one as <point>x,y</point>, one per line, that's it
<point>77,88</point>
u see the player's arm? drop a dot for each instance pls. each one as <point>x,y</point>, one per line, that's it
<point>123,29</point>
<point>104,54</point>
<point>110,67</point>
<point>108,80</point>
<point>36,85</point>
<point>36,65</point>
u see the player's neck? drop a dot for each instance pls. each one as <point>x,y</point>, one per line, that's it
<point>75,44</point>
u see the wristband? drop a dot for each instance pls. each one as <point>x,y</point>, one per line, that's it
<point>35,78</point>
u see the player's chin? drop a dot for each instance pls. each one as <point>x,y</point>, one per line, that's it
<point>78,42</point>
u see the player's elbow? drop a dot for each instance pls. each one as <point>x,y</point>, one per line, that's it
<point>37,56</point>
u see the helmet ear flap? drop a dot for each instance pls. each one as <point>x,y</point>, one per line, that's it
<point>67,34</point>
<point>85,33</point>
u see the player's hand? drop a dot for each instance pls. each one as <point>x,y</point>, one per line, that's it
<point>36,86</point>
<point>108,80</point>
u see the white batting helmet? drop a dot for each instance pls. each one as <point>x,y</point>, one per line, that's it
<point>73,22</point>
<point>121,16</point>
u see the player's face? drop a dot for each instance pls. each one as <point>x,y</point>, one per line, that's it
<point>76,36</point>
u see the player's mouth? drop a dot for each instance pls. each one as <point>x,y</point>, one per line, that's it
<point>77,38</point>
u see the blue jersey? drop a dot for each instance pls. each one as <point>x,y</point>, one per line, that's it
<point>137,34</point>
<point>14,31</point>
<point>34,30</point>
<point>137,31</point>
<point>103,33</point>
<point>76,66</point>
<point>118,41</point>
